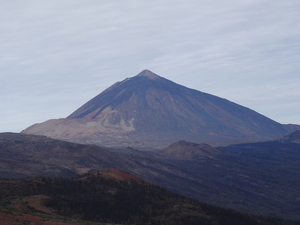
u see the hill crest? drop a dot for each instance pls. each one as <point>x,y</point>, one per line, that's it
<point>190,151</point>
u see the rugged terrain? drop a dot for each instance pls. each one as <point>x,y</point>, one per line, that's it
<point>261,178</point>
<point>149,111</point>
<point>110,196</point>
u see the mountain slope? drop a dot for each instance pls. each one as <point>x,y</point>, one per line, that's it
<point>102,198</point>
<point>150,111</point>
<point>24,155</point>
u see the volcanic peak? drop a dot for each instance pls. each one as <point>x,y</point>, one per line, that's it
<point>149,74</point>
<point>147,109</point>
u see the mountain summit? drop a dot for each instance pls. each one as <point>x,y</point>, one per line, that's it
<point>150,111</point>
<point>150,75</point>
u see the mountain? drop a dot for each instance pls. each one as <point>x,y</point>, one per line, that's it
<point>111,197</point>
<point>149,111</point>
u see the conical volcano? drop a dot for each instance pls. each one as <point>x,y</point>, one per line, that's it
<point>150,111</point>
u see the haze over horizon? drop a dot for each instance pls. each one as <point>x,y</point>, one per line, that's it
<point>55,56</point>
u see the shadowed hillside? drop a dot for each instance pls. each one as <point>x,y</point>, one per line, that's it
<point>113,196</point>
<point>24,155</point>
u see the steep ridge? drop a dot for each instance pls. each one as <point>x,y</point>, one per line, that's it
<point>32,155</point>
<point>150,111</point>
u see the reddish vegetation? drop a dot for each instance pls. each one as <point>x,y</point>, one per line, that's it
<point>119,175</point>
<point>21,218</point>
<point>7,219</point>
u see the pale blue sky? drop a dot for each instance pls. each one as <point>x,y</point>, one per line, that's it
<point>56,55</point>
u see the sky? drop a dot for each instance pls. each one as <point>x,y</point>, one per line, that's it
<point>57,55</point>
